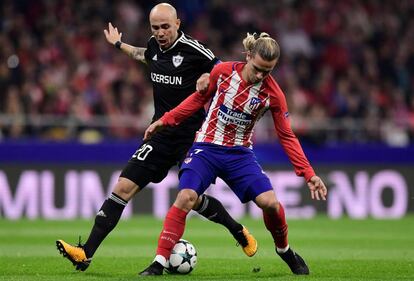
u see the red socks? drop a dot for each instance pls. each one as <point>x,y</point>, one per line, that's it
<point>173,230</point>
<point>277,226</point>
<point>174,225</point>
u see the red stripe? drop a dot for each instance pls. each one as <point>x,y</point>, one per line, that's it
<point>262,95</point>
<point>241,97</point>
<point>212,122</point>
<point>230,135</point>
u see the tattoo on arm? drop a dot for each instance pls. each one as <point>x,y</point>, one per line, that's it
<point>138,53</point>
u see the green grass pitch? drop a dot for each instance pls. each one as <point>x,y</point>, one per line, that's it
<point>334,250</point>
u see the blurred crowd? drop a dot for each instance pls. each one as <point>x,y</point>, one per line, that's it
<point>347,67</point>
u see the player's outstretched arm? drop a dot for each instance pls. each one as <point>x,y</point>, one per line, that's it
<point>153,128</point>
<point>317,188</point>
<point>113,36</point>
<point>178,114</point>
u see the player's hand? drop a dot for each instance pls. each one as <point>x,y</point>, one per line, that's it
<point>152,129</point>
<point>112,35</point>
<point>317,188</point>
<point>203,82</point>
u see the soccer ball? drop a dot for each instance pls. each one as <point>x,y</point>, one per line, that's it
<point>183,258</point>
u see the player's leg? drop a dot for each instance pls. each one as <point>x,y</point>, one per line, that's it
<point>110,213</point>
<point>196,174</point>
<point>136,175</point>
<point>274,219</point>
<point>105,221</point>
<point>174,222</point>
<point>213,210</point>
<point>275,222</point>
<point>248,181</point>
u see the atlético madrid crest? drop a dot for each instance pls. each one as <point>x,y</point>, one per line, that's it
<point>255,103</point>
<point>177,60</point>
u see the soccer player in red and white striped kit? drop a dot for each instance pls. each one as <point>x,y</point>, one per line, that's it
<point>240,93</point>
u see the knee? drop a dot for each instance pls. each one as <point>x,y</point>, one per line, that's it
<point>269,205</point>
<point>186,199</point>
<point>126,189</point>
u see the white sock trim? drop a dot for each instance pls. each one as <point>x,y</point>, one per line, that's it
<point>282,250</point>
<point>161,259</point>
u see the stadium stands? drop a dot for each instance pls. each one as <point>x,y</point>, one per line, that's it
<point>347,67</point>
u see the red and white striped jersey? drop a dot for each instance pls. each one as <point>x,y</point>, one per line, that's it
<point>235,108</point>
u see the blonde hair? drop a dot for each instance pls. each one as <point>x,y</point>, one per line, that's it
<point>262,44</point>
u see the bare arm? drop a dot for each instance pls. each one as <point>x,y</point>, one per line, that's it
<point>113,36</point>
<point>134,52</point>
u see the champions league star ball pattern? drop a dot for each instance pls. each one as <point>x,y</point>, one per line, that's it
<point>183,258</point>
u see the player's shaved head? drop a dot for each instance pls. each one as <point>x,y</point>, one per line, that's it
<point>163,10</point>
<point>164,24</point>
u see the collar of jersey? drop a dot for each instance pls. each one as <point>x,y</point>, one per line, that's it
<point>175,42</point>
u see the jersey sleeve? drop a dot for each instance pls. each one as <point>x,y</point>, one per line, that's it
<point>191,104</point>
<point>209,65</point>
<point>147,53</point>
<point>209,60</point>
<point>287,138</point>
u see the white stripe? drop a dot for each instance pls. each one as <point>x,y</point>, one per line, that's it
<point>241,130</point>
<point>254,92</point>
<point>248,139</point>
<point>204,206</point>
<point>214,107</point>
<point>198,47</point>
<point>202,134</point>
<point>118,200</point>
<point>258,117</point>
<point>230,94</point>
<point>229,98</point>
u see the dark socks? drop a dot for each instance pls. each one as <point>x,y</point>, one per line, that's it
<point>213,210</point>
<point>105,221</point>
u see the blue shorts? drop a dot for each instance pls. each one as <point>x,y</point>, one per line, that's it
<point>236,166</point>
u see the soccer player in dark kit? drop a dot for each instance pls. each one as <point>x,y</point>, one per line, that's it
<point>240,93</point>
<point>178,65</point>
